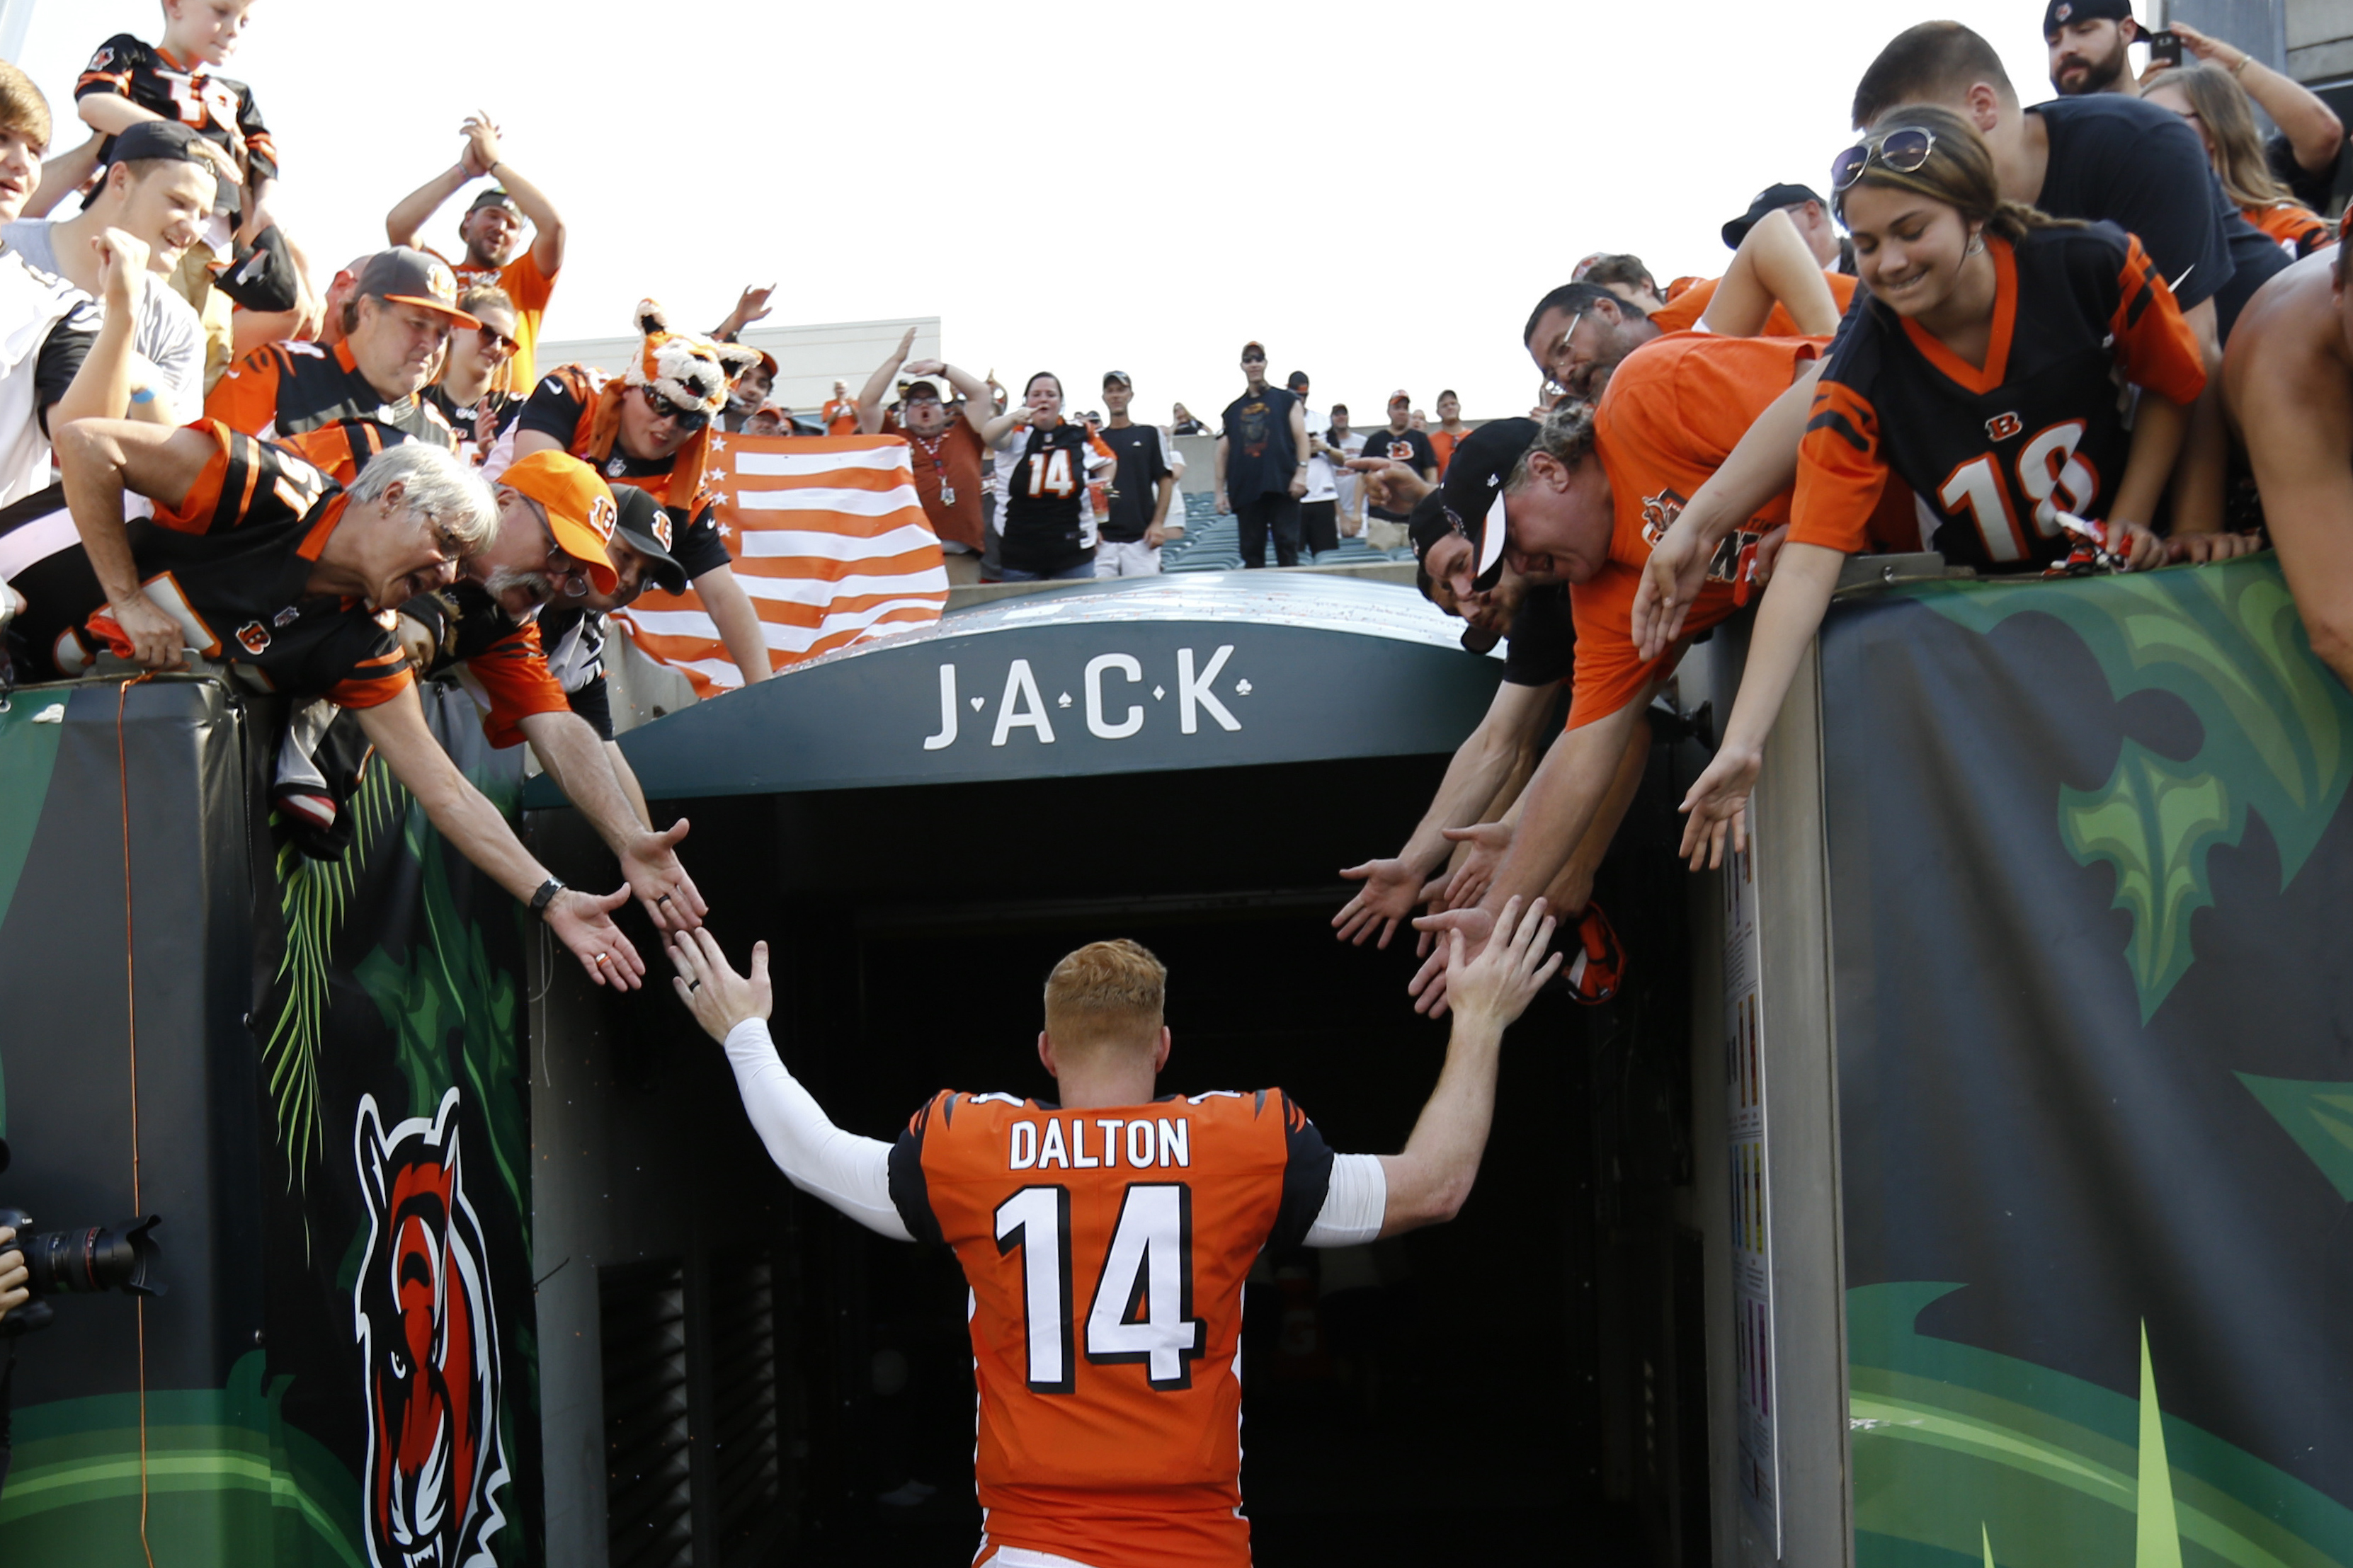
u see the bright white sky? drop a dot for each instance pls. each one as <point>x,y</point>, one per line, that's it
<point>1379,191</point>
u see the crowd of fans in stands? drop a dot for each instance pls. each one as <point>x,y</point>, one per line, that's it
<point>342,488</point>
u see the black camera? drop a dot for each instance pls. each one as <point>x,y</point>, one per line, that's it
<point>77,1262</point>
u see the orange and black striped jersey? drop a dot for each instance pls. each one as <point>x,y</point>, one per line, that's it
<point>231,562</point>
<point>1996,451</point>
<point>293,388</point>
<point>1106,1251</point>
<point>1689,297</point>
<point>501,661</point>
<point>147,75</point>
<point>563,406</point>
<point>2298,231</point>
<point>1673,411</point>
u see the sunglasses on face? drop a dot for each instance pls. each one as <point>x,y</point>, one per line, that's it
<point>495,341</point>
<point>688,419</point>
<point>1902,149</point>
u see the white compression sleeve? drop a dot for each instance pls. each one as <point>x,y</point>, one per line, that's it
<point>850,1172</point>
<point>1354,1205</point>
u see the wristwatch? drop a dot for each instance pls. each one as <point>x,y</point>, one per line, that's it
<point>545,896</point>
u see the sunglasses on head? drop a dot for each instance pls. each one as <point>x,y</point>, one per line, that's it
<point>1903,150</point>
<point>663,408</point>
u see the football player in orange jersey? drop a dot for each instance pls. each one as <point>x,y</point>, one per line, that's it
<point>1106,1238</point>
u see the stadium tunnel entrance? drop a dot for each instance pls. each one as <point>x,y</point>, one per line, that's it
<point>731,1373</point>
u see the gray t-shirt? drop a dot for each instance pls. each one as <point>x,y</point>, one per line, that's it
<point>168,333</point>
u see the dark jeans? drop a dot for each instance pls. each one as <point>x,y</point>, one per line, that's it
<point>1277,510</point>
<point>1067,574</point>
<point>1319,524</point>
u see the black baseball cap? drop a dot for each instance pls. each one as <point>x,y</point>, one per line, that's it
<point>1472,492</point>
<point>915,389</point>
<point>1254,350</point>
<point>647,527</point>
<point>1773,198</point>
<point>1297,378</point>
<point>407,276</point>
<point>261,276</point>
<point>158,139</point>
<point>493,197</point>
<point>2059,13</point>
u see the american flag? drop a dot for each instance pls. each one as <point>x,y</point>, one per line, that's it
<point>829,543</point>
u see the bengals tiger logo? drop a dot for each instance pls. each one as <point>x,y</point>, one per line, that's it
<point>254,637</point>
<point>2002,426</point>
<point>1658,514</point>
<point>429,1349</point>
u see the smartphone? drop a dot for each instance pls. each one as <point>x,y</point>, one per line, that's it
<point>2165,47</point>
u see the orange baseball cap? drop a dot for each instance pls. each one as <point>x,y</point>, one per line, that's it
<point>579,505</point>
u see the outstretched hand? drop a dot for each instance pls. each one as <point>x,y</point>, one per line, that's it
<point>1670,581</point>
<point>1718,803</point>
<point>718,996</point>
<point>1391,890</point>
<point>1496,986</point>
<point>660,883</point>
<point>1427,987</point>
<point>1490,842</point>
<point>584,923</point>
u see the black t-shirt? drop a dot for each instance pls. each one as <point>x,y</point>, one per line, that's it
<point>1045,475</point>
<point>1136,486</point>
<point>60,360</point>
<point>1541,648</point>
<point>555,409</point>
<point>2143,169</point>
<point>1408,445</point>
<point>1260,457</point>
<point>2312,187</point>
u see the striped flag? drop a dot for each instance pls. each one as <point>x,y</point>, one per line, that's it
<point>828,540</point>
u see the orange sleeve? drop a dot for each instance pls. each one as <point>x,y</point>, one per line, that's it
<point>1840,474</point>
<point>514,672</point>
<point>1685,305</point>
<point>246,398</point>
<point>526,284</point>
<point>373,682</point>
<point>199,508</point>
<point>2154,345</point>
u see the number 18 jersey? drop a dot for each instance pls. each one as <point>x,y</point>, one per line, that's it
<point>1106,1251</point>
<point>1996,451</point>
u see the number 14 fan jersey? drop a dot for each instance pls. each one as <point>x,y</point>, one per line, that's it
<point>1106,1251</point>
<point>1996,452</point>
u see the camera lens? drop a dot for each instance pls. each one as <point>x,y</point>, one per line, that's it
<point>99,1257</point>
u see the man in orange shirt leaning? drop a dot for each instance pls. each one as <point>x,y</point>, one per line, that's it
<point>493,230</point>
<point>1105,1238</point>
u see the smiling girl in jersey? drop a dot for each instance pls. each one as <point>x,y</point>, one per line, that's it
<point>1988,372</point>
<point>1042,513</point>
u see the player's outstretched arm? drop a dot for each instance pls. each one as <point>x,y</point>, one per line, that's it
<point>1428,1183</point>
<point>850,1172</point>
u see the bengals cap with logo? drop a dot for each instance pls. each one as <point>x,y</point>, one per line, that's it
<point>581,512</point>
<point>2059,13</point>
<point>409,276</point>
<point>647,527</point>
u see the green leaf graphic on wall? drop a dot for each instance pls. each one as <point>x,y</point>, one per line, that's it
<point>1954,1446</point>
<point>2226,639</point>
<point>2318,1116</point>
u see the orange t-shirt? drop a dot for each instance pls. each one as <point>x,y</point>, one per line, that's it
<point>531,290</point>
<point>1444,445</point>
<point>840,416</point>
<point>1106,1251</point>
<point>1687,301</point>
<point>1671,413</point>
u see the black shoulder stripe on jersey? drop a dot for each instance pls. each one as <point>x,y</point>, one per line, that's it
<point>2141,300</point>
<point>240,476</point>
<point>910,1190</point>
<point>1839,426</point>
<point>1306,1180</point>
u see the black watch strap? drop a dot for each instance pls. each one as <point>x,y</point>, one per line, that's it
<point>545,896</point>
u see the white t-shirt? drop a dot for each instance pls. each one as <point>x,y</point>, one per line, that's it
<point>1344,482</point>
<point>33,305</point>
<point>1319,466</point>
<point>168,335</point>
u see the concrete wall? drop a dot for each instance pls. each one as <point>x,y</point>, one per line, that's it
<point>810,359</point>
<point>2316,35</point>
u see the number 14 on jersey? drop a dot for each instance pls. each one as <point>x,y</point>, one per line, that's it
<point>1142,1311</point>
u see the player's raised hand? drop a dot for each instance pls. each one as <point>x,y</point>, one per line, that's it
<point>1495,986</point>
<point>1427,987</point>
<point>1718,803</point>
<point>718,996</point>
<point>582,923</point>
<point>1390,890</point>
